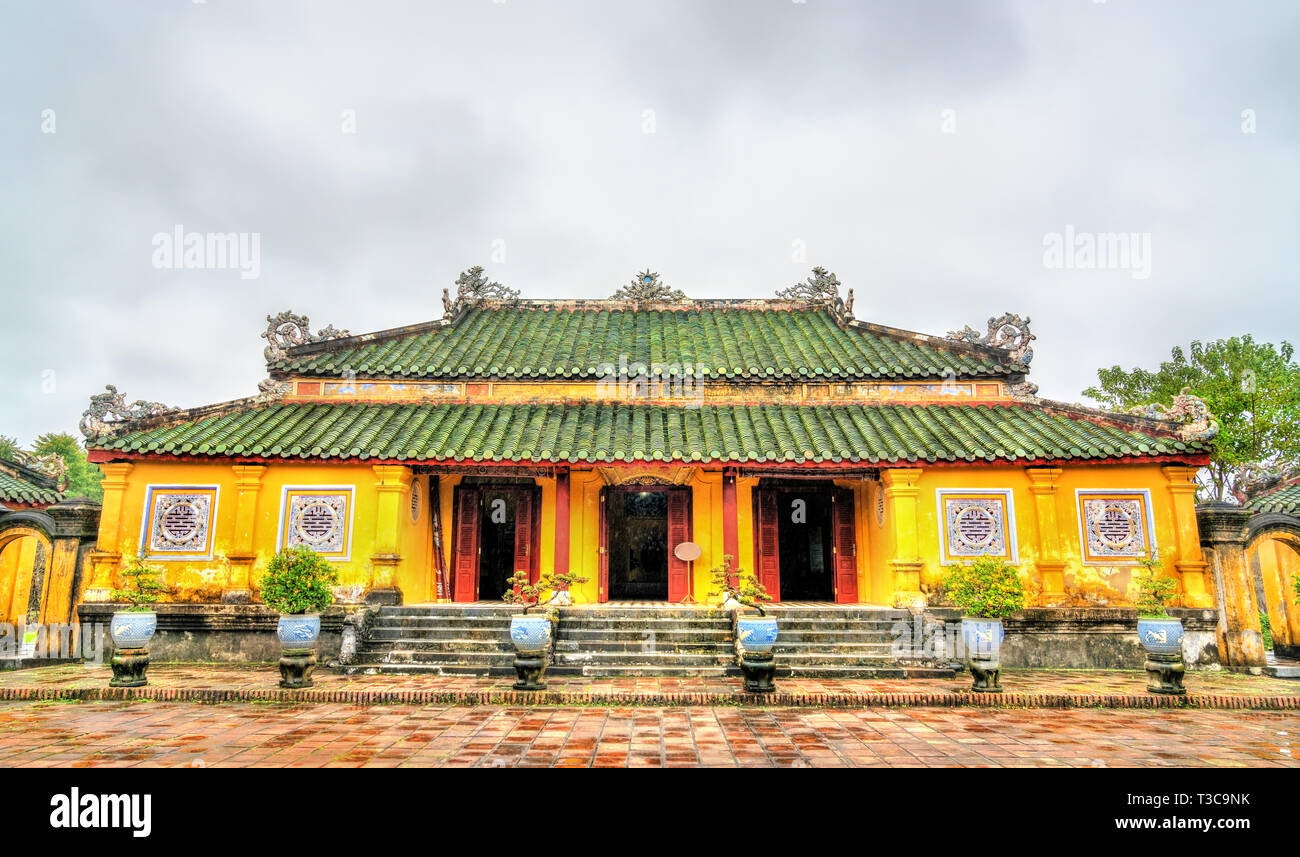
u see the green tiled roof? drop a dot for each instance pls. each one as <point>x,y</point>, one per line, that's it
<point>551,342</point>
<point>17,487</point>
<point>1286,501</point>
<point>614,432</point>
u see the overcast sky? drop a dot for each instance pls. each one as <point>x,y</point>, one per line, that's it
<point>922,151</point>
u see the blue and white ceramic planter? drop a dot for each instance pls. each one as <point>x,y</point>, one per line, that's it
<point>982,638</point>
<point>1161,636</point>
<point>756,634</point>
<point>530,635</point>
<point>131,630</point>
<point>298,630</point>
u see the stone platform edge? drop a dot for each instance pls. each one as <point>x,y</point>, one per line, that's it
<point>711,698</point>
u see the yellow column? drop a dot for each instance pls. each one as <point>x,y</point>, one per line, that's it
<point>107,554</point>
<point>1189,561</point>
<point>1274,557</point>
<point>901,492</point>
<point>392,484</point>
<point>248,485</point>
<point>1223,536</point>
<point>1043,484</point>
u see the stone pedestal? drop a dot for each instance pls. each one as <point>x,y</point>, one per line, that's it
<point>296,667</point>
<point>129,668</point>
<point>759,670</point>
<point>530,669</point>
<point>986,675</point>
<point>1165,674</point>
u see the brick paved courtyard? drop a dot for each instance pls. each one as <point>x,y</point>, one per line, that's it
<point>123,734</point>
<point>1111,688</point>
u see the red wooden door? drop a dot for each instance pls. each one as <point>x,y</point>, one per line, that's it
<point>465,545</point>
<point>845,546</point>
<point>524,549</point>
<point>602,552</point>
<point>679,530</point>
<point>767,553</point>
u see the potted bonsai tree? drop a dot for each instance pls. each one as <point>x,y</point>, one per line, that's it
<point>987,591</point>
<point>297,585</point>
<point>532,635</point>
<point>1161,634</point>
<point>559,586</point>
<point>755,635</point>
<point>133,626</point>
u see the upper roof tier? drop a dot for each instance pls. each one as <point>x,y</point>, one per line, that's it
<point>753,340</point>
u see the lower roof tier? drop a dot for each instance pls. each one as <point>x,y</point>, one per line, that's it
<point>610,433</point>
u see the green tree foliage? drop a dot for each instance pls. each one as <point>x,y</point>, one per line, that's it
<point>298,580</point>
<point>142,587</point>
<point>8,447</point>
<point>1154,590</point>
<point>1252,388</point>
<point>83,477</point>
<point>988,588</point>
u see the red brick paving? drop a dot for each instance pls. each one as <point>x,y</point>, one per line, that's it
<point>1052,688</point>
<point>126,734</point>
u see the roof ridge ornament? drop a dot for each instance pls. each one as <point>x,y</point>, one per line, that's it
<point>472,287</point>
<point>646,287</point>
<point>284,330</point>
<point>109,409</point>
<point>1008,332</point>
<point>52,465</point>
<point>821,289</point>
<point>1195,422</point>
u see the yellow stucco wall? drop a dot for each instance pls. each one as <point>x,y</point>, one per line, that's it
<point>17,558</point>
<point>888,550</point>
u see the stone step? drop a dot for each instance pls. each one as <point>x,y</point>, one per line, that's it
<point>416,656</point>
<point>631,659</point>
<point>441,622</point>
<point>498,610</point>
<point>425,669</point>
<point>680,646</point>
<point>384,635</point>
<point>830,638</point>
<point>453,645</point>
<point>846,614</point>
<point>825,626</point>
<point>716,634</point>
<point>882,651</point>
<point>667,671</point>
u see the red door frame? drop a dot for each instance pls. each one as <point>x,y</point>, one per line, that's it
<point>466,534</point>
<point>842,532</point>
<point>679,571</point>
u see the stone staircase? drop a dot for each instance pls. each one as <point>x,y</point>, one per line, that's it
<point>437,639</point>
<point>816,641</point>
<point>653,640</point>
<point>821,641</point>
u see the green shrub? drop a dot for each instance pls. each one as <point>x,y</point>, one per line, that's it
<point>1267,630</point>
<point>1154,590</point>
<point>142,588</point>
<point>298,580</point>
<point>988,588</point>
